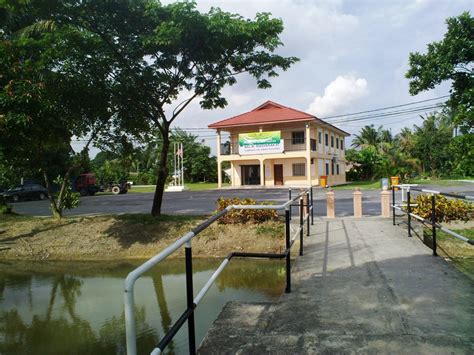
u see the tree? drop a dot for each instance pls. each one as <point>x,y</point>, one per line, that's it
<point>368,136</point>
<point>156,54</point>
<point>431,145</point>
<point>43,102</point>
<point>449,59</point>
<point>199,165</point>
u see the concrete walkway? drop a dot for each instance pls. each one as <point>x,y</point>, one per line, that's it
<point>361,287</point>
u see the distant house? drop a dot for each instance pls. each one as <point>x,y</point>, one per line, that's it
<point>274,145</point>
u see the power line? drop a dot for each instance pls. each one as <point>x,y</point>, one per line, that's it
<point>389,114</point>
<point>384,108</point>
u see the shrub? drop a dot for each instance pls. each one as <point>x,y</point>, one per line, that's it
<point>4,208</point>
<point>446,209</point>
<point>244,216</point>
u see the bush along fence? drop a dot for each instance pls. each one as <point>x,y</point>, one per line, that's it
<point>432,208</point>
<point>302,200</point>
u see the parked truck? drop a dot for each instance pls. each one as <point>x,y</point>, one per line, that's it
<point>86,184</point>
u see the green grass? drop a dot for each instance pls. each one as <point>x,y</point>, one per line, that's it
<point>197,186</point>
<point>363,185</point>
<point>439,182</point>
<point>459,252</point>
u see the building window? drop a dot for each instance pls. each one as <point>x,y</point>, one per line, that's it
<point>313,144</point>
<point>297,137</point>
<point>342,144</point>
<point>337,143</point>
<point>299,169</point>
<point>332,141</point>
<point>337,169</point>
<point>326,139</point>
<point>327,169</point>
<point>320,139</point>
<point>332,168</point>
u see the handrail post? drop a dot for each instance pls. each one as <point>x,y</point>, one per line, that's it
<point>393,204</point>
<point>409,211</point>
<point>312,206</point>
<point>288,251</point>
<point>190,298</point>
<point>301,225</point>
<point>289,198</point>
<point>433,223</point>
<point>307,214</point>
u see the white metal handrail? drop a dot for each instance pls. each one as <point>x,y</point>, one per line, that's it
<point>134,275</point>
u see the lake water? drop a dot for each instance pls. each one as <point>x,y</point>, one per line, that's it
<point>77,308</point>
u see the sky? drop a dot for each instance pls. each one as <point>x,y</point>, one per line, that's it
<point>353,57</point>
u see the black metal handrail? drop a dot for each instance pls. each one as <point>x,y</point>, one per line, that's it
<point>192,302</point>
<point>432,221</point>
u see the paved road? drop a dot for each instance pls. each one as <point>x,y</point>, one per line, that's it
<point>204,202</point>
<point>362,286</point>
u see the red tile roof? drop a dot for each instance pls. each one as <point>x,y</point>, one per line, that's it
<point>268,113</point>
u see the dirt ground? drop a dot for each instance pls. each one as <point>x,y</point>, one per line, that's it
<point>127,237</point>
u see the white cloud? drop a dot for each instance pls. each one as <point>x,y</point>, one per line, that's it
<point>340,93</point>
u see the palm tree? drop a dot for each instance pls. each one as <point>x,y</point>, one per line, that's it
<point>368,137</point>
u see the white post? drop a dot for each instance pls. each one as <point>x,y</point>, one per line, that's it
<point>262,173</point>
<point>181,158</point>
<point>174,163</point>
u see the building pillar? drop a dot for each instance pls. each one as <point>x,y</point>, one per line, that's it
<point>232,178</point>
<point>219,170</point>
<point>262,173</point>
<point>219,173</point>
<point>308,154</point>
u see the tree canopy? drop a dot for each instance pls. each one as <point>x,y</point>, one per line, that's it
<point>153,59</point>
<point>451,59</point>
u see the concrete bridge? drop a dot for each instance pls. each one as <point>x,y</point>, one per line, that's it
<point>362,286</point>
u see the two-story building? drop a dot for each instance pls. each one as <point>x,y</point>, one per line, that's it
<point>274,145</point>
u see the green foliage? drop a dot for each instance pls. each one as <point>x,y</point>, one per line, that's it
<point>244,216</point>
<point>369,136</point>
<point>447,210</point>
<point>449,60</point>
<point>68,199</point>
<point>4,208</point>
<point>111,171</point>
<point>429,150</point>
<point>115,66</point>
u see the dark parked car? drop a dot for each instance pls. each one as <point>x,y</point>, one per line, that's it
<point>26,192</point>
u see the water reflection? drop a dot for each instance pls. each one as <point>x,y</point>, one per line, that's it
<point>77,308</point>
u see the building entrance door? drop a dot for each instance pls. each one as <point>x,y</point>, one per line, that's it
<point>250,174</point>
<point>278,173</point>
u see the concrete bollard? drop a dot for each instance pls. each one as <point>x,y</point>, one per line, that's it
<point>305,203</point>
<point>385,200</point>
<point>357,195</point>
<point>330,205</point>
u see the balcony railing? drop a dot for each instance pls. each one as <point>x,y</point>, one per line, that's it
<point>288,146</point>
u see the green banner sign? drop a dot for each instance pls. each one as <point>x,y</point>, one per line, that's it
<point>260,143</point>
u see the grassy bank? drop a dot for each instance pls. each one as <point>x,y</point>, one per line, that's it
<point>460,253</point>
<point>133,236</point>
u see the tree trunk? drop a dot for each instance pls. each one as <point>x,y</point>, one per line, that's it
<point>162,175</point>
<point>57,212</point>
